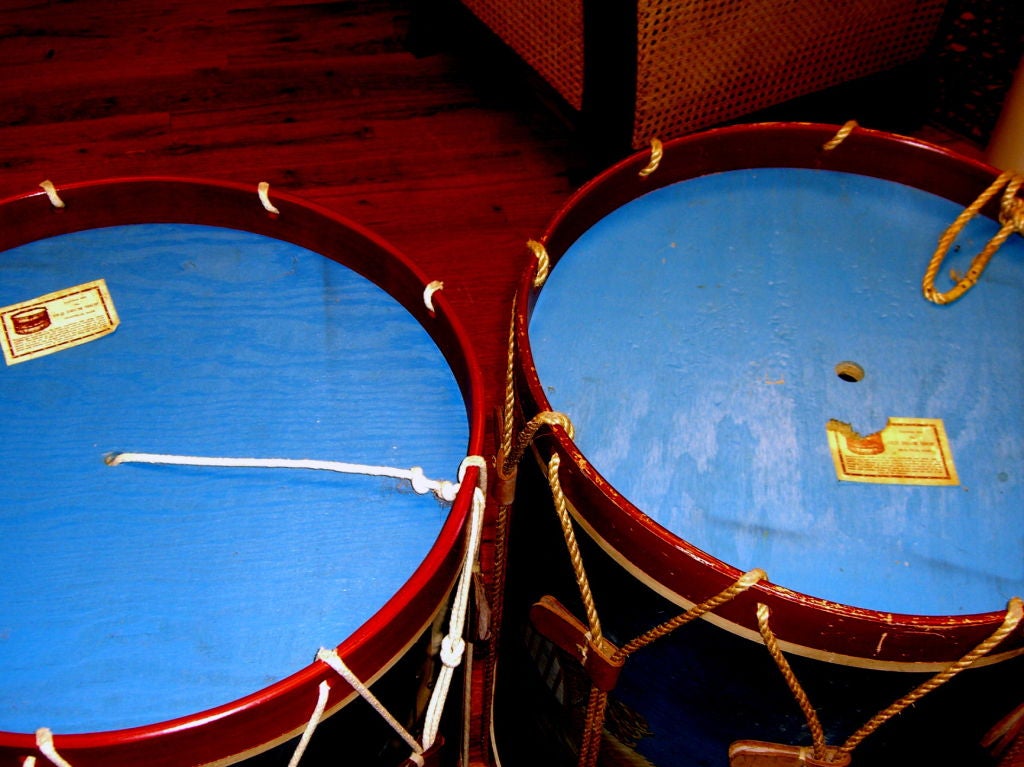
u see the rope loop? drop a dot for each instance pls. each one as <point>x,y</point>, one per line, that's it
<point>428,294</point>
<point>529,433</point>
<point>657,152</point>
<point>51,192</point>
<point>1011,218</point>
<point>481,464</point>
<point>543,262</point>
<point>841,136</point>
<point>44,742</point>
<point>452,649</point>
<point>263,190</point>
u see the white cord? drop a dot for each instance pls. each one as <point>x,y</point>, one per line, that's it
<point>443,489</point>
<point>314,720</point>
<point>44,741</point>
<point>453,645</point>
<point>428,294</point>
<point>332,659</point>
<point>51,192</point>
<point>263,190</point>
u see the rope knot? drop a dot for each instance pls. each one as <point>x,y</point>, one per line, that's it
<point>419,481</point>
<point>452,648</point>
<point>447,491</point>
<point>1011,212</point>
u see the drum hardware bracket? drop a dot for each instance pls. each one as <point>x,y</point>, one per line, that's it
<point>755,753</point>
<point>599,657</point>
<point>1006,738</point>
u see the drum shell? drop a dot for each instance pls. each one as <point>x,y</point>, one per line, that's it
<point>395,636</point>
<point>861,650</point>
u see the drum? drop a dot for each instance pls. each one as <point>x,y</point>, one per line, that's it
<point>788,484</point>
<point>234,425</point>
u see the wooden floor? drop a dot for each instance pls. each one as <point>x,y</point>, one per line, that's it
<point>319,98</point>
<point>456,167</point>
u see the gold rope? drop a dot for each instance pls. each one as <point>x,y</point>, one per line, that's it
<point>574,550</point>
<point>1014,613</point>
<point>593,728</point>
<point>508,409</point>
<point>590,742</point>
<point>598,702</point>
<point>506,496</point>
<point>543,262</point>
<point>743,583</point>
<point>529,432</point>
<point>819,746</point>
<point>840,136</point>
<point>657,152</point>
<point>1011,216</point>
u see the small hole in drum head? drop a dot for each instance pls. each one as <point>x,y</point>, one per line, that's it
<point>850,372</point>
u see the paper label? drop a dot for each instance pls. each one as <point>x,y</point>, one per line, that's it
<point>56,321</point>
<point>908,451</point>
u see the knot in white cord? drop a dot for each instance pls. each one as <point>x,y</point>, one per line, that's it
<point>447,491</point>
<point>452,648</point>
<point>419,481</point>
